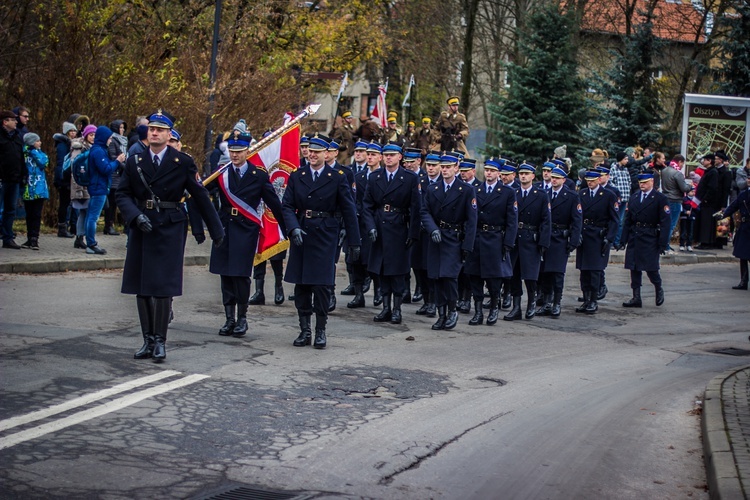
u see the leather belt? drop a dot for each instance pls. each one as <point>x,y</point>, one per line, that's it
<point>448,225</point>
<point>487,228</point>
<point>643,224</point>
<point>521,225</point>
<point>151,204</point>
<point>389,208</point>
<point>591,222</point>
<point>231,211</point>
<point>560,226</point>
<point>313,214</point>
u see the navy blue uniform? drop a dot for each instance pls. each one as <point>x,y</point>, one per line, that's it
<point>497,226</point>
<point>741,240</point>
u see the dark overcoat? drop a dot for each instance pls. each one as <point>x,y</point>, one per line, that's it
<point>532,212</point>
<point>566,228</point>
<point>360,180</point>
<point>419,257</point>
<point>600,220</point>
<point>313,262</point>
<point>153,264</point>
<point>456,207</point>
<point>741,239</point>
<point>392,208</point>
<point>646,230</point>
<point>497,226</point>
<point>235,255</point>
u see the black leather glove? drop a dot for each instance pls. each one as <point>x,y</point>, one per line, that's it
<point>199,238</point>
<point>342,236</point>
<point>218,241</point>
<point>719,215</point>
<point>436,236</point>
<point>296,236</point>
<point>662,251</point>
<point>464,254</point>
<point>373,234</point>
<point>570,248</point>
<point>143,223</point>
<point>409,242</point>
<point>507,248</point>
<point>354,253</point>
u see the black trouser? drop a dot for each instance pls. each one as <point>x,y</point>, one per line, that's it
<point>110,209</point>
<point>551,282</point>
<point>591,281</point>
<point>477,286</point>
<point>235,290</point>
<point>423,282</point>
<point>63,194</point>
<point>395,285</point>
<point>33,216</point>
<point>259,271</point>
<point>303,299</point>
<point>446,291</point>
<point>636,278</point>
<point>516,287</point>
<point>360,273</point>
<point>464,284</point>
<point>686,232</point>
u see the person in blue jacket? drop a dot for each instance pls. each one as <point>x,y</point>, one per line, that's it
<point>101,169</point>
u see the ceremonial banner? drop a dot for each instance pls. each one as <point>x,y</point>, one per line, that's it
<point>380,113</point>
<point>280,159</point>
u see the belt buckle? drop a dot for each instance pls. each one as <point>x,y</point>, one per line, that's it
<point>234,211</point>
<point>149,204</point>
<point>520,225</point>
<point>308,214</point>
<point>484,227</point>
<point>386,208</point>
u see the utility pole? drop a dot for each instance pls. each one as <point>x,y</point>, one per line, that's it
<point>208,142</point>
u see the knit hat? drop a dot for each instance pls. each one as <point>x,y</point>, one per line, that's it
<point>561,152</point>
<point>30,138</point>
<point>67,127</point>
<point>621,155</point>
<point>241,126</point>
<point>90,129</point>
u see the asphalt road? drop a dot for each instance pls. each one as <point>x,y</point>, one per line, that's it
<point>579,407</point>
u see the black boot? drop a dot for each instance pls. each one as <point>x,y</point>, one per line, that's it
<point>332,303</point>
<point>145,315</point>
<point>585,299</point>
<point>506,300</point>
<point>440,323</point>
<point>531,296</point>
<point>515,312</point>
<point>478,317</point>
<point>546,307</point>
<point>259,297</point>
<point>305,333</point>
<point>406,298</point>
<point>78,243</point>
<point>636,300</point>
<point>418,296</point>
<point>226,330</point>
<point>396,314</point>
<point>464,304</point>
<point>592,306</point>
<point>487,304</point>
<point>278,297</point>
<point>240,328</point>
<point>451,317</point>
<point>320,331</point>
<point>431,310</point>
<point>494,310</point>
<point>422,311</point>
<point>377,299</point>
<point>62,231</point>
<point>659,299</point>
<point>556,309</point>
<point>366,285</point>
<point>742,285</point>
<point>359,298</point>
<point>385,314</point>
<point>349,290</point>
<point>602,292</point>
<point>161,324</point>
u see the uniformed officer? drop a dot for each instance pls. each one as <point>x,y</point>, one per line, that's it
<point>358,164</point>
<point>304,142</point>
<point>148,197</point>
<point>412,163</point>
<point>359,267</point>
<point>420,252</point>
<point>449,215</point>
<point>391,212</point>
<point>497,226</point>
<point>546,182</point>
<point>412,160</point>
<point>532,241</point>
<point>359,161</point>
<point>453,128</point>
<point>344,136</point>
<point>600,220</point>
<point>427,137</point>
<point>508,170</point>
<point>646,231</point>
<point>741,240</point>
<point>313,196</point>
<point>242,187</point>
<point>467,171</point>
<point>569,183</point>
<point>392,133</point>
<point>604,182</point>
<point>565,237</point>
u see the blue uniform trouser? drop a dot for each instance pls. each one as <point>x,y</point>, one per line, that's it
<point>312,298</point>
<point>636,278</point>
<point>446,290</point>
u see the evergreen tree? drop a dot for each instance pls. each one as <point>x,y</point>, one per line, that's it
<point>545,104</point>
<point>734,53</point>
<point>627,97</point>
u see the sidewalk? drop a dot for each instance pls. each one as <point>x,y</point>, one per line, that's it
<point>58,255</point>
<point>726,434</point>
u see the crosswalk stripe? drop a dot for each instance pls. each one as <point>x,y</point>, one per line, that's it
<point>84,400</point>
<point>109,407</point>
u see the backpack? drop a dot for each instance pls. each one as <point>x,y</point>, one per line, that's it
<point>80,168</point>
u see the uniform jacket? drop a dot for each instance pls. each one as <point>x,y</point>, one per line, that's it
<point>389,255</point>
<point>456,206</point>
<point>499,210</point>
<point>741,239</point>
<point>312,263</point>
<point>153,264</point>
<point>646,230</point>
<point>360,180</point>
<point>533,211</point>
<point>452,124</point>
<point>567,220</point>
<point>419,252</point>
<point>235,255</point>
<point>601,218</point>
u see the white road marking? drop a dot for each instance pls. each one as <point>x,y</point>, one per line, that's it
<point>84,400</point>
<point>103,409</point>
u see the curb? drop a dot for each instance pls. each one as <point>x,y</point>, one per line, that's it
<point>721,470</point>
<point>93,264</point>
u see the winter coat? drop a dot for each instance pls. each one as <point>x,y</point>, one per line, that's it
<point>77,146</point>
<point>12,165</point>
<point>62,148</point>
<point>36,163</point>
<point>118,144</point>
<point>100,166</point>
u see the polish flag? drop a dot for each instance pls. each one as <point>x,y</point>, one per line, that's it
<point>380,112</point>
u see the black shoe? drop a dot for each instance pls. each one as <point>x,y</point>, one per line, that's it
<point>586,298</point>
<point>478,317</point>
<point>332,304</point>
<point>11,244</point>
<point>26,244</point>
<point>305,334</point>
<point>531,309</point>
<point>386,314</point>
<point>160,348</point>
<point>320,338</point>
<point>240,328</point>
<point>290,297</point>
<point>487,304</point>
<point>659,299</point>
<point>515,312</point>
<point>358,301</point>
<point>366,286</point>
<point>494,311</point>
<point>35,243</point>
<point>147,349</point>
<point>591,307</point>
<point>259,297</point>
<point>741,286</point>
<point>111,231</point>
<point>226,330</point>
<point>417,297</point>
<point>451,320</point>
<point>602,292</point>
<point>506,301</point>
<point>278,297</point>
<point>78,243</point>
<point>556,310</point>
<point>440,323</point>
<point>96,250</point>
<point>406,299</point>
<point>378,298</point>
<point>396,313</point>
<point>62,231</point>
<point>349,290</point>
<point>464,306</point>
<point>422,311</point>
<point>431,311</point>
